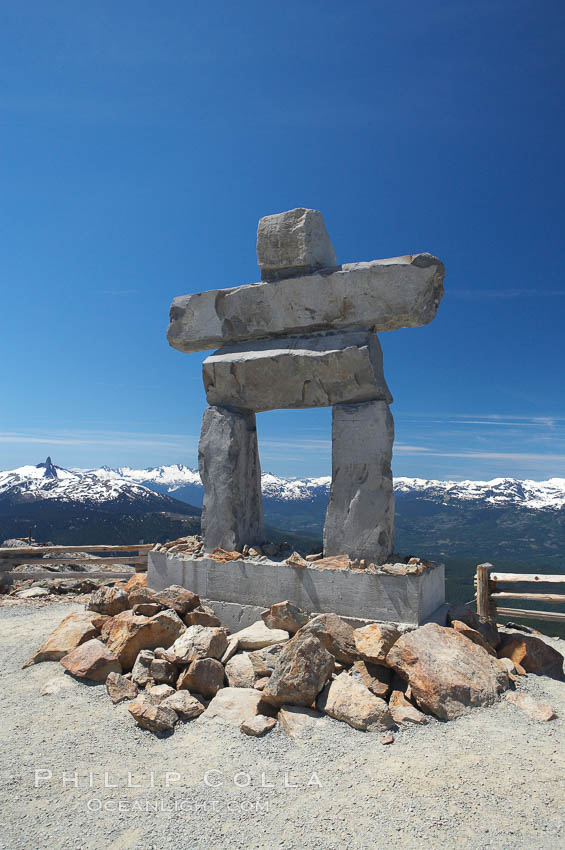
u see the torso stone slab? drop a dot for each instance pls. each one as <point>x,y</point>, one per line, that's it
<point>297,372</point>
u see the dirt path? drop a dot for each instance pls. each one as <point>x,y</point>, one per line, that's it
<point>493,779</point>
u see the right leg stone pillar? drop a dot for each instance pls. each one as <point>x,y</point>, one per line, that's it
<point>360,517</point>
<point>228,461</point>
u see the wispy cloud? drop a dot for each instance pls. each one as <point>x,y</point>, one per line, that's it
<point>119,292</point>
<point>506,293</point>
<point>480,444</point>
<point>305,445</point>
<point>537,457</point>
<point>472,445</point>
<point>98,438</point>
<point>488,417</point>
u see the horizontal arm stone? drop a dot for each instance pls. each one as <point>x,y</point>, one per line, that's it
<point>382,295</point>
<point>297,372</point>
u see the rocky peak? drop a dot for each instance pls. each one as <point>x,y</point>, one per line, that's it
<point>50,468</point>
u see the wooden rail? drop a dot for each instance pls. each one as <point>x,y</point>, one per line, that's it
<point>26,551</point>
<point>487,595</point>
<point>10,558</point>
<point>7,563</point>
<point>551,598</point>
<point>525,577</point>
<point>39,575</point>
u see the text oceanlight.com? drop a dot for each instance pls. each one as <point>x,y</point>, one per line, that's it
<point>184,806</point>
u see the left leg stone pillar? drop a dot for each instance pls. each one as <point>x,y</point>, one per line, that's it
<point>360,517</point>
<point>228,461</point>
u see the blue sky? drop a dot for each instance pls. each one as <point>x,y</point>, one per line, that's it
<point>141,143</point>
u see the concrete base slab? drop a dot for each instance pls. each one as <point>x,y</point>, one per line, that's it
<point>254,585</point>
<point>438,616</point>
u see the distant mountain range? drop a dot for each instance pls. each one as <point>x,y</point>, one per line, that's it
<point>517,525</point>
<point>180,481</point>
<point>504,519</point>
<point>88,506</point>
<point>486,520</point>
<point>184,483</point>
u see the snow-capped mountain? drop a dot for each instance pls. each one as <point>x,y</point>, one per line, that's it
<point>47,481</point>
<point>294,489</point>
<point>174,476</point>
<point>88,506</point>
<point>503,519</point>
<point>175,480</point>
<point>503,492</point>
<point>184,483</point>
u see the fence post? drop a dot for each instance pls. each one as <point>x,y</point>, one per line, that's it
<point>483,600</point>
<point>142,568</point>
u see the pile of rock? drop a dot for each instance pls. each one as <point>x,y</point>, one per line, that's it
<point>40,589</point>
<point>17,543</point>
<point>193,547</point>
<point>170,657</point>
<point>30,589</point>
<point>407,566</point>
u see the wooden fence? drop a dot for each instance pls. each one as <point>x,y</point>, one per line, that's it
<point>10,558</point>
<point>487,580</point>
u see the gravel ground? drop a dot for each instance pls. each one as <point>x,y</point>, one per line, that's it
<point>43,601</point>
<point>494,778</point>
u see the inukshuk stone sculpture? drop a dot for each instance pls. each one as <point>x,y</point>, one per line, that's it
<point>303,337</point>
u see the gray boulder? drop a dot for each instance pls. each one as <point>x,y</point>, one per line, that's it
<point>204,676</point>
<point>141,671</point>
<point>448,674</point>
<point>161,670</point>
<point>156,718</point>
<point>301,672</point>
<point>485,627</point>
<point>119,688</point>
<point>109,600</point>
<point>285,615</point>
<point>184,704</point>
<point>264,660</point>
<point>258,725</point>
<point>198,642</point>
<point>234,706</point>
<point>349,700</point>
<point>240,672</point>
<point>335,634</point>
